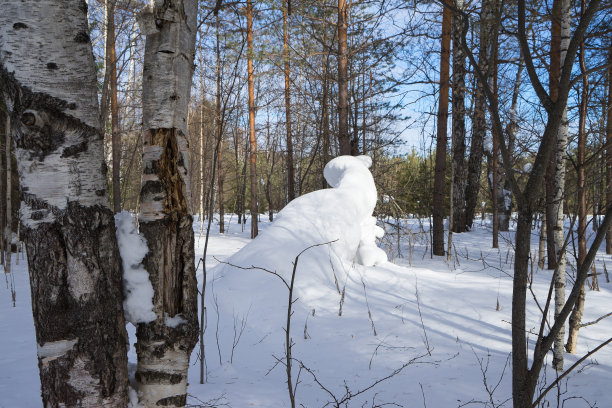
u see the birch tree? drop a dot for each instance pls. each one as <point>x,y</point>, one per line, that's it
<point>559,191</point>
<point>164,345</point>
<point>48,84</point>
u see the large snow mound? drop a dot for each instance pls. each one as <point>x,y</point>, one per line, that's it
<point>341,216</point>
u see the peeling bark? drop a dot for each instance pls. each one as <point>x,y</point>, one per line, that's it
<point>47,78</point>
<point>164,347</point>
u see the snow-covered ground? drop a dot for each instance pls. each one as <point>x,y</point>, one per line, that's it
<point>363,332</point>
<point>456,340</point>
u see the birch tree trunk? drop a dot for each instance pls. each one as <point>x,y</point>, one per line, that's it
<point>252,138</point>
<point>48,81</point>
<point>560,158</point>
<point>575,318</point>
<point>458,122</point>
<point>441,137</point>
<point>164,345</point>
<point>542,242</point>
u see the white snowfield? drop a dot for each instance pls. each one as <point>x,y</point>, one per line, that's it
<point>352,324</point>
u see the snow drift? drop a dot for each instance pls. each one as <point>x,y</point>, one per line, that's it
<point>340,216</point>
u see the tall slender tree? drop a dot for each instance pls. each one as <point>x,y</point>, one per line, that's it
<point>609,149</point>
<point>111,60</point>
<point>287,72</point>
<point>441,139</point>
<point>575,318</point>
<point>479,125</point>
<point>559,191</point>
<point>252,138</point>
<point>343,81</point>
<point>458,122</point>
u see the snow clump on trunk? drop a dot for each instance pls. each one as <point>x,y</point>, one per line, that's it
<point>137,288</point>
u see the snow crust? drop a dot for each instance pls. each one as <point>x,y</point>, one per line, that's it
<point>137,288</point>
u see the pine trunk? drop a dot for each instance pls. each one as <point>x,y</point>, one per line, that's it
<point>48,77</point>
<point>458,123</point>
<point>287,70</point>
<point>609,150</point>
<point>343,96</point>
<point>164,345</point>
<point>8,228</point>
<point>252,138</point>
<point>554,73</point>
<point>479,124</point>
<point>202,150</point>
<point>495,153</point>
<point>441,139</point>
<point>219,132</point>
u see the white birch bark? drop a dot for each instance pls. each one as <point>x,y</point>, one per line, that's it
<point>163,347</point>
<point>560,157</point>
<point>48,81</point>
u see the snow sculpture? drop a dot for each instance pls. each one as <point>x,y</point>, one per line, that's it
<point>342,214</point>
<point>352,180</point>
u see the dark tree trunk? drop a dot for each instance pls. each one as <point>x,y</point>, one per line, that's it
<point>441,139</point>
<point>111,59</point>
<point>219,132</point>
<point>458,123</point>
<point>343,96</point>
<point>554,72</point>
<point>287,71</point>
<point>609,150</point>
<point>479,125</point>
